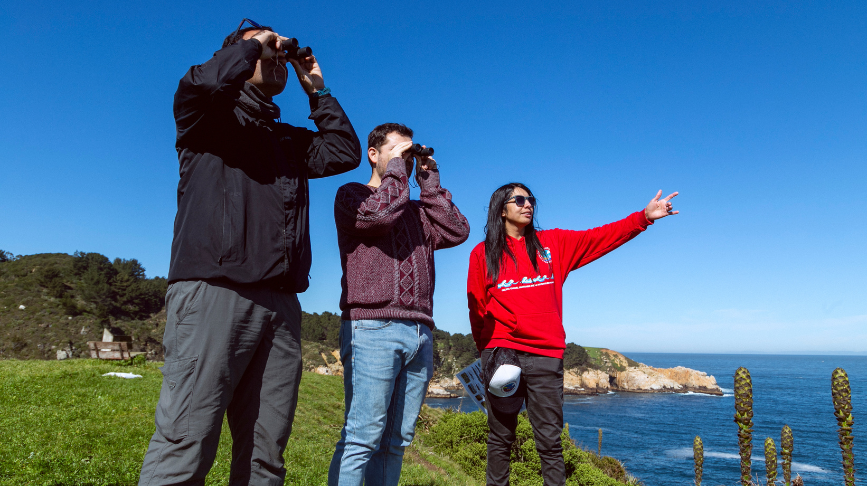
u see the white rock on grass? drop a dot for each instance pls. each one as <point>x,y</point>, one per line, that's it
<point>22,307</point>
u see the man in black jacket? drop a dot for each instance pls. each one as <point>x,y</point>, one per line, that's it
<point>241,252</point>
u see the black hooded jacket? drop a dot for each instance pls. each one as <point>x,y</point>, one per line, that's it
<point>242,197</point>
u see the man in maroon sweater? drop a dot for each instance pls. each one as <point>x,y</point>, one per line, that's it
<point>386,249</point>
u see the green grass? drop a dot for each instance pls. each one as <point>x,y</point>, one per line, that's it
<point>593,353</point>
<point>64,423</point>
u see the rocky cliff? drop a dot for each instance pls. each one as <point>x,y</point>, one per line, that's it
<point>621,376</point>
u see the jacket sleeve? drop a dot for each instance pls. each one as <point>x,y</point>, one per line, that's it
<point>578,248</point>
<point>362,214</point>
<point>449,227</point>
<point>215,84</point>
<point>335,148</point>
<point>477,295</point>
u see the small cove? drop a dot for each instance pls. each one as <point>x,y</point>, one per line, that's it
<point>652,434</point>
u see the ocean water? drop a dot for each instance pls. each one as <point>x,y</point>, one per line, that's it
<point>652,434</point>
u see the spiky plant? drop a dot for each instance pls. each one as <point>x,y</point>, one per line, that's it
<point>786,446</point>
<point>698,456</point>
<point>842,396</point>
<point>744,419</point>
<point>600,442</point>
<point>771,460</point>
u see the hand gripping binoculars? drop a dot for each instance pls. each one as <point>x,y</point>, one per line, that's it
<point>293,51</point>
<point>417,149</point>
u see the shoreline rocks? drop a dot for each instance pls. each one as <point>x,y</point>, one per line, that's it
<point>647,379</point>
<point>632,379</point>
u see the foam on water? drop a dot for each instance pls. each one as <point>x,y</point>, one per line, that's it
<point>692,393</point>
<point>686,453</point>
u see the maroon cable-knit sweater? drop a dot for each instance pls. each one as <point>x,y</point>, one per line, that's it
<point>387,243</point>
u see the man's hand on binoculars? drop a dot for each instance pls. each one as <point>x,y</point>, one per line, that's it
<point>425,163</point>
<point>400,150</point>
<point>271,44</point>
<point>309,74</point>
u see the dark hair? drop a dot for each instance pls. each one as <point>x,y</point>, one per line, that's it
<point>496,245</point>
<point>236,36</point>
<point>379,134</point>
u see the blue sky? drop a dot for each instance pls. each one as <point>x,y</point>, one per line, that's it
<point>755,112</point>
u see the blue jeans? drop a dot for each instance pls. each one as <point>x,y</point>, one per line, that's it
<point>387,365</point>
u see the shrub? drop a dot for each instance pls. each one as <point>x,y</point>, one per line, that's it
<point>463,437</point>
<point>575,356</point>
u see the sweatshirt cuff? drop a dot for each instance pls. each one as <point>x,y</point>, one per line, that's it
<point>429,180</point>
<point>396,165</point>
<point>641,219</point>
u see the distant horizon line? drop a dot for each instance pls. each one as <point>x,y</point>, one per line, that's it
<point>754,353</point>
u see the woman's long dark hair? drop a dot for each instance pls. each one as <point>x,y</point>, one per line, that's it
<point>496,245</point>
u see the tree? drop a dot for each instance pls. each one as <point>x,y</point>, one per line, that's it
<point>135,296</point>
<point>96,273</point>
<point>52,279</point>
<point>575,357</point>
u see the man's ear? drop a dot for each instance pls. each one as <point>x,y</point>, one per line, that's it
<point>371,155</point>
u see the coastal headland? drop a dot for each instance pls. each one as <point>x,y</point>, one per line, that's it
<point>637,378</point>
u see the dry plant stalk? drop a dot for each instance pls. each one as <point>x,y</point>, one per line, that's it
<point>600,443</point>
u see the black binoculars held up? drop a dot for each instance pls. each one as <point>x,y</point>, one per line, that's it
<point>293,51</point>
<point>417,149</point>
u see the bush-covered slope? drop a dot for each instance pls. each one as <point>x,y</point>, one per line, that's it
<point>68,299</point>
<point>55,301</point>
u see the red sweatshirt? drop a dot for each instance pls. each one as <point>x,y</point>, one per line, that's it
<point>524,309</point>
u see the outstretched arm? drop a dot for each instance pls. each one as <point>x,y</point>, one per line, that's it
<point>578,248</point>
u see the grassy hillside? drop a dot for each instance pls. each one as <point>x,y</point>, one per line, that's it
<point>66,424</point>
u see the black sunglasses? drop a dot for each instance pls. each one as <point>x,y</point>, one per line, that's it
<point>521,200</point>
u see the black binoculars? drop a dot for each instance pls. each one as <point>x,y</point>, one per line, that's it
<point>293,51</point>
<point>417,149</point>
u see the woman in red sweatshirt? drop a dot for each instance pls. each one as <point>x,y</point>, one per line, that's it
<point>515,296</point>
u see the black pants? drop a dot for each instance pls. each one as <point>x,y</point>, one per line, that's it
<point>543,378</point>
<point>229,350</point>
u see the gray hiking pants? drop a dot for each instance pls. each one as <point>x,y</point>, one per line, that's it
<point>229,349</point>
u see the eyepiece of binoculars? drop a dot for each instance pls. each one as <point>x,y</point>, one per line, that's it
<point>293,51</point>
<point>417,149</point>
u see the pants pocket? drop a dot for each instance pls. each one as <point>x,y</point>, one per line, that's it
<point>176,396</point>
